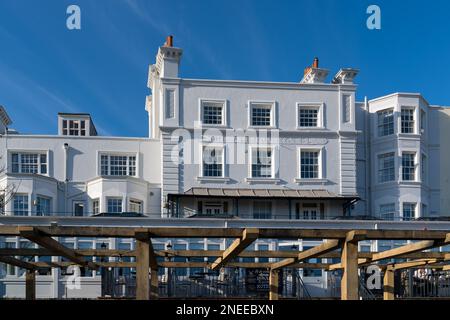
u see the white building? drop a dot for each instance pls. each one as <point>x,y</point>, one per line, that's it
<point>232,149</point>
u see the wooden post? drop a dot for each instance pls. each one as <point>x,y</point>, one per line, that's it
<point>349,260</point>
<point>154,289</point>
<point>142,269</point>
<point>388,284</point>
<point>30,285</point>
<point>273,285</point>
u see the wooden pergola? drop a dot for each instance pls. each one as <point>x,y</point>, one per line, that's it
<point>338,243</point>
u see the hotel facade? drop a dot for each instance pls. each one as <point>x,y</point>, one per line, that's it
<point>225,149</point>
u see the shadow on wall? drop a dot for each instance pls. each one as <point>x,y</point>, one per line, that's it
<point>444,161</point>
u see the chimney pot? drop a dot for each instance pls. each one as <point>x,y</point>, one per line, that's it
<point>316,62</point>
<point>169,41</point>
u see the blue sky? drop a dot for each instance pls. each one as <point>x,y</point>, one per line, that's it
<point>102,68</point>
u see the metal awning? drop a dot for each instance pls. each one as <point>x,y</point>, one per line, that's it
<point>263,193</point>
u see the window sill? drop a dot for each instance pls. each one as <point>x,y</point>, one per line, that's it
<point>263,180</point>
<point>207,125</point>
<point>262,127</point>
<point>312,129</point>
<point>213,179</point>
<point>310,181</point>
<point>408,182</point>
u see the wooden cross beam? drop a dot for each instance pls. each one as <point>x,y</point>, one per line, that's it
<point>412,264</point>
<point>248,236</point>
<point>37,236</point>
<point>326,247</point>
<point>411,248</point>
<point>17,263</point>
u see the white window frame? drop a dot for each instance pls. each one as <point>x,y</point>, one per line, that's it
<point>28,213</point>
<point>414,215</point>
<point>167,91</point>
<point>414,153</point>
<point>321,159</point>
<point>320,114</point>
<point>385,205</point>
<point>79,130</point>
<point>109,154</point>
<point>224,104</point>
<point>215,146</point>
<point>272,169</point>
<point>114,198</point>
<point>30,152</point>
<point>136,202</point>
<point>93,205</point>
<point>377,167</point>
<point>378,124</point>
<point>273,113</point>
<point>49,199</point>
<point>414,121</point>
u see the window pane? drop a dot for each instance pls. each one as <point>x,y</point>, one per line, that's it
<point>408,167</point>
<point>308,117</point>
<point>407,119</point>
<point>387,211</point>
<point>261,163</point>
<point>118,165</point>
<point>29,163</point>
<point>309,164</point>
<point>261,115</point>
<point>212,113</point>
<point>43,206</point>
<point>135,206</point>
<point>212,162</point>
<point>409,211</point>
<point>114,205</point>
<point>385,122</point>
<point>386,167</point>
<point>20,205</point>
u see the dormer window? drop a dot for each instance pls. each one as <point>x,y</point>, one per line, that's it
<point>74,128</point>
<point>76,125</point>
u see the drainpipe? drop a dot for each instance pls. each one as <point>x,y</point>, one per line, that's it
<point>368,133</point>
<point>66,175</point>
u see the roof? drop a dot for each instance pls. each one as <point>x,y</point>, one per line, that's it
<point>262,193</point>
<point>4,116</point>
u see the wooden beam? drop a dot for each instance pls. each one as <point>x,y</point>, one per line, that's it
<point>63,264</point>
<point>349,260</point>
<point>336,266</point>
<point>412,264</point>
<point>30,285</point>
<point>145,236</point>
<point>190,232</point>
<point>248,236</point>
<point>37,236</point>
<point>142,269</point>
<point>17,263</point>
<point>388,284</point>
<point>411,248</point>
<point>208,253</point>
<point>154,287</point>
<point>273,285</point>
<point>325,247</point>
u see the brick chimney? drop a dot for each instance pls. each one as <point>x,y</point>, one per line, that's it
<point>168,59</point>
<point>314,74</point>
